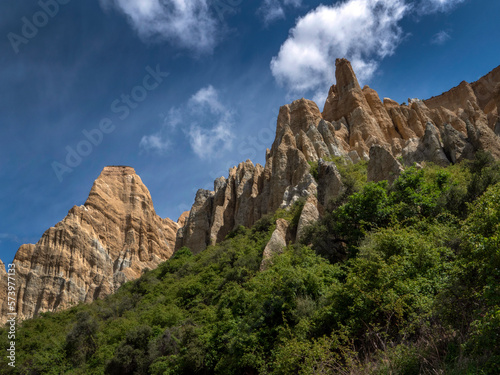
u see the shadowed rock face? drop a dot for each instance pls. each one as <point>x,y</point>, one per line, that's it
<point>355,124</point>
<point>97,247</point>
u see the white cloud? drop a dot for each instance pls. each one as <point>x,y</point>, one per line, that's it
<point>432,6</point>
<point>207,98</point>
<point>154,142</point>
<point>207,126</point>
<point>272,10</point>
<point>173,118</point>
<point>440,38</point>
<point>187,23</point>
<point>364,31</point>
<point>210,142</point>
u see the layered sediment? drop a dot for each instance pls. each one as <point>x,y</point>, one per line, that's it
<point>116,234</point>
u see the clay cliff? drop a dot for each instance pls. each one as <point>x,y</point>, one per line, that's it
<point>116,234</point>
<point>356,124</point>
<point>97,247</point>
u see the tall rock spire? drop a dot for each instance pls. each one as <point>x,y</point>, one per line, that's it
<point>346,95</point>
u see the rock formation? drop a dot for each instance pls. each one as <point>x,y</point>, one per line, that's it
<point>382,165</point>
<point>330,184</point>
<point>276,244</point>
<point>309,215</point>
<point>111,239</point>
<point>354,124</point>
<point>116,234</point>
<point>427,148</point>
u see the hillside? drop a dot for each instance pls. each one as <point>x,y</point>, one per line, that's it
<point>400,279</point>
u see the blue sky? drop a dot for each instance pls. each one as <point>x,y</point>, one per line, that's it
<point>183,90</point>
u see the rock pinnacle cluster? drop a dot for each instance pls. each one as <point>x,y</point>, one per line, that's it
<point>357,125</point>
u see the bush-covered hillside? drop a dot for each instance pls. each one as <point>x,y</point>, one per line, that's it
<point>401,279</point>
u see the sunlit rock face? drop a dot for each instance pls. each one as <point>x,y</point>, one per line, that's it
<point>97,247</point>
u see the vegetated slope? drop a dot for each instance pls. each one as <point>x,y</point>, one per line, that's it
<point>400,279</point>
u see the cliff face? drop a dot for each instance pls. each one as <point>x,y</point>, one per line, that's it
<point>97,247</point>
<point>356,124</point>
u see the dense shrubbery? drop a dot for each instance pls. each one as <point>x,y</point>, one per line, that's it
<point>400,279</point>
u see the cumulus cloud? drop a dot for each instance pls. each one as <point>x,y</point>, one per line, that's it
<point>440,38</point>
<point>364,31</point>
<point>272,10</point>
<point>189,24</point>
<point>205,122</point>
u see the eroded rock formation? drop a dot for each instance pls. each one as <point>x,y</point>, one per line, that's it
<point>116,234</point>
<point>355,124</point>
<point>276,243</point>
<point>97,247</point>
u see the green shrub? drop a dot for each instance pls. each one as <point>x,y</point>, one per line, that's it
<point>81,341</point>
<point>313,169</point>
